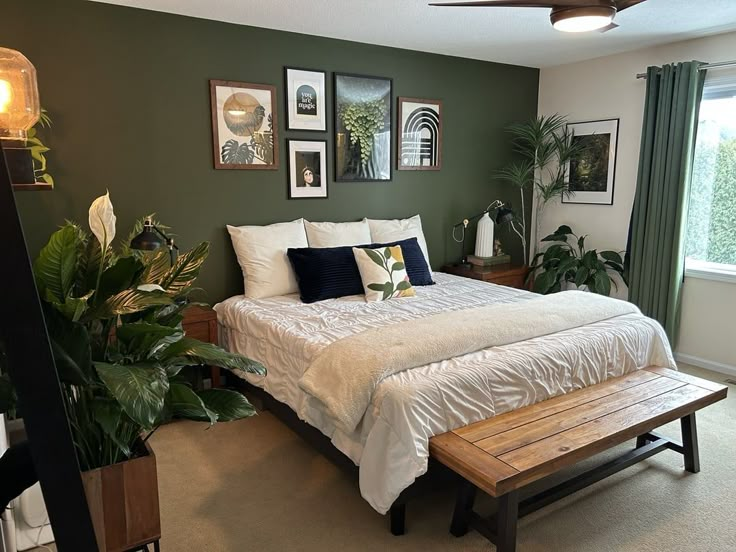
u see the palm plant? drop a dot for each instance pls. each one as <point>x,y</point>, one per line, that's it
<point>114,322</point>
<point>546,146</point>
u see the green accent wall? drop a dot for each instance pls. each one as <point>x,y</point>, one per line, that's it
<point>128,92</point>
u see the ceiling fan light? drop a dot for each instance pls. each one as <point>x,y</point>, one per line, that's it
<point>581,20</point>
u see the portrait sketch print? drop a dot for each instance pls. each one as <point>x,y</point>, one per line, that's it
<point>363,120</point>
<point>307,169</point>
<point>305,100</point>
<point>244,125</point>
<point>592,170</point>
<point>420,135</point>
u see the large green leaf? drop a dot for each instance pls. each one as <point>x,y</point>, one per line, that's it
<point>139,388</point>
<point>544,281</point>
<point>186,270</point>
<point>185,403</point>
<point>128,302</point>
<point>236,154</point>
<point>228,405</point>
<point>157,266</point>
<point>581,276</point>
<point>612,256</point>
<point>108,414</point>
<point>118,277</point>
<point>188,351</point>
<point>374,256</point>
<point>143,340</point>
<point>70,344</point>
<point>56,265</point>
<point>602,283</point>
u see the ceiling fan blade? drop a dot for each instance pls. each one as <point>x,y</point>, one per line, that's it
<point>623,4</point>
<point>522,3</point>
<point>608,27</point>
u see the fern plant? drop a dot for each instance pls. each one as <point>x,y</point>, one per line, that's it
<point>114,318</point>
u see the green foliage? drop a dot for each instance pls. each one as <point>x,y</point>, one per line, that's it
<point>711,231</point>
<point>546,146</point>
<point>363,120</point>
<point>259,146</point>
<point>39,150</point>
<point>566,261</point>
<point>119,384</point>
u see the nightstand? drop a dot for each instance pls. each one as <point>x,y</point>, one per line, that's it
<point>201,323</point>
<point>503,274</point>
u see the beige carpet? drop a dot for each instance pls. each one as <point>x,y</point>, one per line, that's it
<point>253,485</point>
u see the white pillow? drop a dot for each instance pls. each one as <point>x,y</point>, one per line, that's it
<point>261,252</point>
<point>336,234</point>
<point>388,231</point>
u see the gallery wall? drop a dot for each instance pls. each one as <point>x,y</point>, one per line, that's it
<point>606,88</point>
<point>128,93</point>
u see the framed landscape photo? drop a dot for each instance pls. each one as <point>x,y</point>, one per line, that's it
<point>363,128</point>
<point>592,172</point>
<point>244,125</point>
<point>307,168</point>
<point>420,135</point>
<point>305,99</point>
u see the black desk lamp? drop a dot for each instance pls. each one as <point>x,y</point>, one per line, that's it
<point>503,215</point>
<point>151,238</point>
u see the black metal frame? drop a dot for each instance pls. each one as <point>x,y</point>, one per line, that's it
<point>33,372</point>
<point>500,528</point>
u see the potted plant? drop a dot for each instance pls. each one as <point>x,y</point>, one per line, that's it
<point>567,262</point>
<point>546,147</point>
<point>114,322</point>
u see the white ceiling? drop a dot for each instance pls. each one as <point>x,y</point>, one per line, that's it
<point>521,36</point>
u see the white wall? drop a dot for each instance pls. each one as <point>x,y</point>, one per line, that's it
<point>607,88</point>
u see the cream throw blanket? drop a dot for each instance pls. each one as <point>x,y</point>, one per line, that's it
<point>345,374</point>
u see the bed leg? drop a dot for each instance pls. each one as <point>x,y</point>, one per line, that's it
<point>506,522</point>
<point>641,440</point>
<point>690,443</point>
<point>463,509</point>
<point>398,519</point>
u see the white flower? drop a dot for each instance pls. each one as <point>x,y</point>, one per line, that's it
<point>102,220</point>
<point>150,287</point>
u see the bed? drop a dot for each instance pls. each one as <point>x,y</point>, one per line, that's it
<point>390,445</point>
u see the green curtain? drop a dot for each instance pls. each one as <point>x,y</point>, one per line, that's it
<point>657,234</point>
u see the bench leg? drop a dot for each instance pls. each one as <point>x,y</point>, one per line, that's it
<point>506,522</point>
<point>690,443</point>
<point>641,440</point>
<point>398,519</point>
<point>463,509</point>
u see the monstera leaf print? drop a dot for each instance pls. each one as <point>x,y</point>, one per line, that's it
<point>234,153</point>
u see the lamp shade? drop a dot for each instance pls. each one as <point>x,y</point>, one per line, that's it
<point>19,104</point>
<point>504,215</point>
<point>148,239</point>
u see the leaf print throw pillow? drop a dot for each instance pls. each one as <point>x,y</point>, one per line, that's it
<point>383,273</point>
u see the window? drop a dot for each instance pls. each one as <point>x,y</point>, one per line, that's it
<point>710,247</point>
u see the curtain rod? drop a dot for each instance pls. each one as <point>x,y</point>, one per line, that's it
<point>718,65</point>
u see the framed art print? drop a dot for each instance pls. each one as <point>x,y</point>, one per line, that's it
<point>420,135</point>
<point>307,168</point>
<point>592,171</point>
<point>305,100</point>
<point>363,128</point>
<point>244,125</point>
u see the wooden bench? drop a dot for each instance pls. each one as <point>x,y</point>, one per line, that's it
<point>505,453</point>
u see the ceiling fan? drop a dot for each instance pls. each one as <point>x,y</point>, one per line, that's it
<point>572,16</point>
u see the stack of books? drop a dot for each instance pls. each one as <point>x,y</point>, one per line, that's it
<point>489,261</point>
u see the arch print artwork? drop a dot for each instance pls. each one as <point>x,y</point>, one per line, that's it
<point>420,143</point>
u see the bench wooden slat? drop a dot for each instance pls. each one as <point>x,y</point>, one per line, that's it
<point>473,464</point>
<point>549,455</point>
<point>515,418</point>
<point>562,421</point>
<point>687,378</point>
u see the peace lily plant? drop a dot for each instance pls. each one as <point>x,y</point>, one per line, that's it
<point>114,321</point>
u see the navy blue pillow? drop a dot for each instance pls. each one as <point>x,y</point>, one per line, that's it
<point>331,272</point>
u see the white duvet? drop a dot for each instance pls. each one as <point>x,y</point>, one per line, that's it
<point>391,443</point>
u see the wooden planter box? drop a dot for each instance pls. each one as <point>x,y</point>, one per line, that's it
<point>123,503</point>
